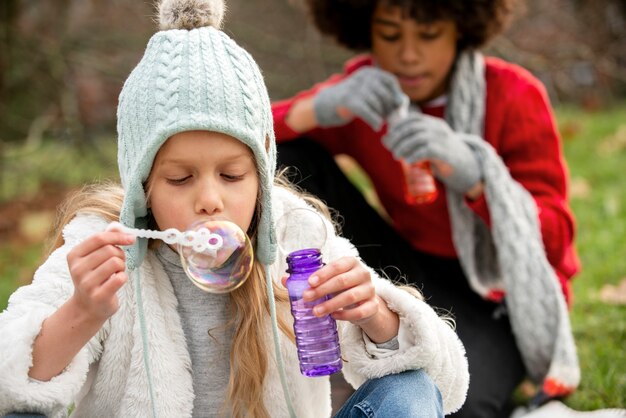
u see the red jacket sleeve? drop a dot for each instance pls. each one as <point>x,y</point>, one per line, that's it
<point>329,137</point>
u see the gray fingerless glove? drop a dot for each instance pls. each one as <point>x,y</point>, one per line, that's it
<point>369,93</point>
<point>420,137</point>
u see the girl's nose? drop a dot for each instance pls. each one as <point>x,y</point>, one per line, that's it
<point>208,200</point>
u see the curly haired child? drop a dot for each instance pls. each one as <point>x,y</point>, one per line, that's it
<point>495,247</point>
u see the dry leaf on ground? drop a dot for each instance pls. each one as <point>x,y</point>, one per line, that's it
<point>615,295</point>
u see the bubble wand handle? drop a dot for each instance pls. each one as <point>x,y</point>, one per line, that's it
<point>200,240</point>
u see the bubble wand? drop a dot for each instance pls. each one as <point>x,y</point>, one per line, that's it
<point>217,256</point>
<point>200,240</point>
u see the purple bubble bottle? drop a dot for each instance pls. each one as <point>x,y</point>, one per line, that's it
<point>316,337</point>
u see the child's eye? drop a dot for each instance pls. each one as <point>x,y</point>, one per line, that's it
<point>232,177</point>
<point>178,181</point>
<point>430,35</point>
<point>389,38</point>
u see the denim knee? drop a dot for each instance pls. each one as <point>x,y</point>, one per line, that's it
<point>408,394</point>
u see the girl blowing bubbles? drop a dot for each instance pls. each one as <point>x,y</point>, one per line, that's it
<point>112,325</point>
<point>496,247</point>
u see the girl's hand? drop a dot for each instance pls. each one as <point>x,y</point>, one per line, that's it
<point>97,266</point>
<point>369,93</point>
<point>352,298</point>
<point>349,283</point>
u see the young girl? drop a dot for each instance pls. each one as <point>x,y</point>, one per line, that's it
<point>113,326</point>
<point>500,226</point>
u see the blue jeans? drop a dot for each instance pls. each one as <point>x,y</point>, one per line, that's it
<point>411,394</point>
<point>408,394</point>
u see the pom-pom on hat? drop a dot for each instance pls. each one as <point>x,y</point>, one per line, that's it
<point>192,77</point>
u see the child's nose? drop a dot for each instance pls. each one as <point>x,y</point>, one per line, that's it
<point>209,200</point>
<point>409,51</point>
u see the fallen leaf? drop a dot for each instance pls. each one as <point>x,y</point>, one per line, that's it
<point>615,295</point>
<point>614,143</point>
<point>579,188</point>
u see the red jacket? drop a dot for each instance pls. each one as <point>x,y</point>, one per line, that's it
<point>519,124</point>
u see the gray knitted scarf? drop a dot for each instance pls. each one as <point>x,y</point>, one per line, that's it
<point>510,255</point>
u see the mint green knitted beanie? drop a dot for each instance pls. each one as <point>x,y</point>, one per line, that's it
<point>192,77</point>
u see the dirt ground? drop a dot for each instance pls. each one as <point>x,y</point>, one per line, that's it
<point>27,220</point>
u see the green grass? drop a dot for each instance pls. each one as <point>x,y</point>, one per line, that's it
<point>595,148</point>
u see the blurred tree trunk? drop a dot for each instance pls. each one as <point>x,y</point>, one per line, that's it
<point>62,72</point>
<point>8,13</point>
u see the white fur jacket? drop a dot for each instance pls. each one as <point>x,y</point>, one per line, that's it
<point>107,377</point>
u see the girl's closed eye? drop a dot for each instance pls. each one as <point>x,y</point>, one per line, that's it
<point>232,177</point>
<point>178,180</point>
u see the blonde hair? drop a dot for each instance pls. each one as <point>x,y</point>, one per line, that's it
<point>101,199</point>
<point>249,352</point>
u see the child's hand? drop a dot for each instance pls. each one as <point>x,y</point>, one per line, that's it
<point>369,93</point>
<point>349,283</point>
<point>97,268</point>
<point>422,137</point>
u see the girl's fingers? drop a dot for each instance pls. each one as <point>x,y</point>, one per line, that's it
<point>349,299</point>
<point>358,314</point>
<point>102,239</point>
<point>104,301</point>
<point>111,285</point>
<point>92,260</point>
<point>105,270</point>
<point>95,250</point>
<point>92,280</point>
<point>84,270</point>
<point>337,284</point>
<point>331,270</point>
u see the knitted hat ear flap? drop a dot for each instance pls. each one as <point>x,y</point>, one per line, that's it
<point>135,215</point>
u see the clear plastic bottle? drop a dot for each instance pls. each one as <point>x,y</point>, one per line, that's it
<point>420,187</point>
<point>317,339</point>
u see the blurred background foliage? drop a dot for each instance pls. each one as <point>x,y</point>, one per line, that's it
<point>63,63</point>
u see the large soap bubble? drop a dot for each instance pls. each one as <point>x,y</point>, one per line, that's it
<point>217,256</point>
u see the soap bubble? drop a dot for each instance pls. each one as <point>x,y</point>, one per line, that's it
<point>216,255</point>
<point>301,228</point>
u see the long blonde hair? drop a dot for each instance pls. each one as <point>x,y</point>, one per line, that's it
<point>249,351</point>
